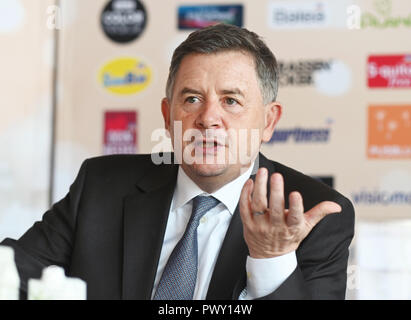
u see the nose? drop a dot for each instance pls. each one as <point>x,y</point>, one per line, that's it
<point>209,116</point>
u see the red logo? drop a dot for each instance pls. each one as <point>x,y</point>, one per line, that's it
<point>389,132</point>
<point>389,71</point>
<point>120,129</point>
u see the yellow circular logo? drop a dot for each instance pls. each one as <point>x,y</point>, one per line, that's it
<point>125,76</point>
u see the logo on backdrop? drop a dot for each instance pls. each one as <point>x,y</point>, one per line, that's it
<point>196,17</point>
<point>301,135</point>
<point>301,72</point>
<point>123,20</point>
<point>120,132</point>
<point>381,197</point>
<point>329,77</point>
<point>125,76</point>
<point>389,132</point>
<point>382,17</point>
<point>393,188</point>
<point>303,14</point>
<point>389,71</point>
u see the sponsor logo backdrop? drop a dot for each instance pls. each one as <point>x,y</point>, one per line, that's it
<point>345,86</point>
<point>345,92</point>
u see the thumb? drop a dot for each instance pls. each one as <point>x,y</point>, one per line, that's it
<point>322,209</point>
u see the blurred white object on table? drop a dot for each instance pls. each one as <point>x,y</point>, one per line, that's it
<point>9,277</point>
<point>54,285</point>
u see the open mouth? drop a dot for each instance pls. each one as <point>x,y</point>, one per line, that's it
<point>208,146</point>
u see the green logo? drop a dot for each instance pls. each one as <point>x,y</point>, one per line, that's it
<point>384,18</point>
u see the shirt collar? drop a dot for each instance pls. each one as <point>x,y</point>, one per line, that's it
<point>229,194</point>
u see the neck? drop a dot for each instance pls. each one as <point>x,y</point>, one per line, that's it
<point>212,182</point>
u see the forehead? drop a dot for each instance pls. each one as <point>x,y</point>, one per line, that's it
<point>227,68</point>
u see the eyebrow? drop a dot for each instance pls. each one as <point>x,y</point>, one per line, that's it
<point>236,91</point>
<point>186,90</point>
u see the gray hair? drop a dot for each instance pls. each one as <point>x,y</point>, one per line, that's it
<point>224,37</point>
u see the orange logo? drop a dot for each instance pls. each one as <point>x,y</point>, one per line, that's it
<point>389,132</point>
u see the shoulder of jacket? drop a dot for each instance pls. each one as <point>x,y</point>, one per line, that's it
<point>296,179</point>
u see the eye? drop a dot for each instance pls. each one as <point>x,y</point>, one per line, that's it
<point>231,101</point>
<point>192,99</point>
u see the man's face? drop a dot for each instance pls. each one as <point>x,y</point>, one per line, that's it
<point>218,95</point>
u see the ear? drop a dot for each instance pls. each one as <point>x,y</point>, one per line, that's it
<point>165,110</point>
<point>273,113</point>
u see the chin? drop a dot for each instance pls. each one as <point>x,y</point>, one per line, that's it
<point>208,170</point>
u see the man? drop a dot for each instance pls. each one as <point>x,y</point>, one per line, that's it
<point>221,221</point>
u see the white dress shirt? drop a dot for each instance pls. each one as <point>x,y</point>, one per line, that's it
<point>263,275</point>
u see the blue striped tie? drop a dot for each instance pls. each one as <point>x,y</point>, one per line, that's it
<point>180,273</point>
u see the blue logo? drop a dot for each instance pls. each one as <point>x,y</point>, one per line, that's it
<point>197,17</point>
<point>384,198</point>
<point>301,135</point>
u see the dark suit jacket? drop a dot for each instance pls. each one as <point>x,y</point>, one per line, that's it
<point>109,231</point>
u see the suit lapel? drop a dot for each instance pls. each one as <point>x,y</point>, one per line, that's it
<point>145,219</point>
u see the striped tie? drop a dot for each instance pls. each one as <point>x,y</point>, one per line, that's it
<point>180,273</point>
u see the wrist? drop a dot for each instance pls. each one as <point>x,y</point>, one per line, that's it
<point>269,254</point>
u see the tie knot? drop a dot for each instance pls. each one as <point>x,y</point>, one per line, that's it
<point>202,204</point>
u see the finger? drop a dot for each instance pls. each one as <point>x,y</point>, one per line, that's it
<point>276,202</point>
<point>259,196</point>
<point>245,202</point>
<point>322,209</point>
<point>296,209</point>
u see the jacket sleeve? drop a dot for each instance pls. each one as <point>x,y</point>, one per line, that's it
<point>49,241</point>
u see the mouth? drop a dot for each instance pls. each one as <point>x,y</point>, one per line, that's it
<point>208,146</point>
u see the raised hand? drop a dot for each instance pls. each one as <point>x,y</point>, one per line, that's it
<point>270,230</point>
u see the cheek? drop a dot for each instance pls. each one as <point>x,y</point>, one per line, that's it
<point>252,120</point>
<point>187,122</point>
<point>182,123</point>
<point>246,132</point>
<point>177,117</point>
<point>178,114</point>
